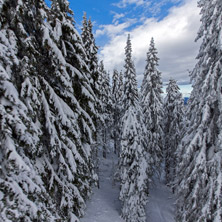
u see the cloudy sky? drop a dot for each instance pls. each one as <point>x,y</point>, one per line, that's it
<point>173,24</point>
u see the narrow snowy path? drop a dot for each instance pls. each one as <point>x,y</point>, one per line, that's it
<point>161,203</point>
<point>105,205</point>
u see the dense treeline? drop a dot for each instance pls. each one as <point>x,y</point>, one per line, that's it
<point>57,108</point>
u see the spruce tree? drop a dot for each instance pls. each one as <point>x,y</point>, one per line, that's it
<point>151,100</point>
<point>173,117</point>
<point>199,183</point>
<point>130,84</point>
<point>105,98</point>
<point>94,77</point>
<point>23,194</point>
<point>133,163</point>
<point>91,51</point>
<point>72,102</point>
<point>92,62</point>
<point>54,105</point>
<point>116,108</point>
<point>121,89</point>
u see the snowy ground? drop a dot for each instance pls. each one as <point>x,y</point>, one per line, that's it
<point>161,203</point>
<point>104,205</point>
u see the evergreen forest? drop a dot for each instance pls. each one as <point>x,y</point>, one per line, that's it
<point>60,110</point>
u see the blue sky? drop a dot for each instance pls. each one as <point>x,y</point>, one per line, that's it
<point>173,24</point>
<point>104,12</point>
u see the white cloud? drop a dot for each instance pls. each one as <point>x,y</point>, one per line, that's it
<point>174,37</point>
<point>117,16</point>
<point>125,3</point>
<point>112,30</point>
<point>156,6</point>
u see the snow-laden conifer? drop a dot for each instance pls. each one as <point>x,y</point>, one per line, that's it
<point>121,88</point>
<point>50,74</point>
<point>92,61</point>
<point>91,50</point>
<point>199,172</point>
<point>69,105</point>
<point>116,95</point>
<point>173,110</point>
<point>106,104</point>
<point>151,100</point>
<point>133,162</point>
<point>22,191</point>
<point>130,83</point>
<point>133,167</point>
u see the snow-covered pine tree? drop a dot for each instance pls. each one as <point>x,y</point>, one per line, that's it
<point>23,196</point>
<point>121,88</point>
<point>133,162</point>
<point>121,93</point>
<point>152,105</point>
<point>85,34</point>
<point>91,51</point>
<point>173,117</point>
<point>106,104</point>
<point>69,106</point>
<point>50,75</point>
<point>116,96</point>
<point>92,61</point>
<point>130,84</point>
<point>199,183</point>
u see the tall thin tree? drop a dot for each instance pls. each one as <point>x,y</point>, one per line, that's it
<point>130,83</point>
<point>173,117</point>
<point>133,163</point>
<point>105,90</point>
<point>151,100</point>
<point>116,108</point>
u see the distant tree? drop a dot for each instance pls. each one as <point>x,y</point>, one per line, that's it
<point>151,100</point>
<point>115,107</point>
<point>105,98</point>
<point>130,84</point>
<point>173,117</point>
<point>199,183</point>
<point>121,88</point>
<point>117,96</point>
<point>133,163</point>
